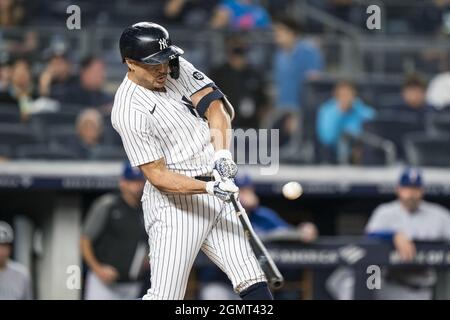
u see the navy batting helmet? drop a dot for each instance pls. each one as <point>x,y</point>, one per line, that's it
<point>148,43</point>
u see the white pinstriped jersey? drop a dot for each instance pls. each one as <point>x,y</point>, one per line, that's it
<point>155,124</point>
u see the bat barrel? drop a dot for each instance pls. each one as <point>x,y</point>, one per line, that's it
<point>273,275</point>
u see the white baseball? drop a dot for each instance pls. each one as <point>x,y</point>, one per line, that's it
<point>292,190</point>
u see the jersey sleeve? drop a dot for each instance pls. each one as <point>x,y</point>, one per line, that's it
<point>97,217</point>
<point>139,141</point>
<point>379,221</point>
<point>192,79</point>
<point>27,290</point>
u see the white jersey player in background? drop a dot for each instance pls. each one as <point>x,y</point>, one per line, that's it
<point>174,124</point>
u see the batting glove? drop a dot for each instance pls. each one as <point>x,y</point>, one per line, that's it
<point>224,164</point>
<point>222,189</point>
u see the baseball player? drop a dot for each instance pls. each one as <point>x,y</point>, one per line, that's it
<point>406,219</point>
<point>15,281</point>
<point>174,123</point>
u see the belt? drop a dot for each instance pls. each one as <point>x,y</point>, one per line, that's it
<point>204,178</point>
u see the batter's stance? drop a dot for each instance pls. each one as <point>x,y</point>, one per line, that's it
<point>174,124</point>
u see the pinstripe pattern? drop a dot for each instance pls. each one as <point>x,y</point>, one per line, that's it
<point>153,125</point>
<point>179,226</point>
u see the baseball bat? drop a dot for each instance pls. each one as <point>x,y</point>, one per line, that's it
<point>266,262</point>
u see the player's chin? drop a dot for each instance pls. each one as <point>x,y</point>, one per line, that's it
<point>160,82</point>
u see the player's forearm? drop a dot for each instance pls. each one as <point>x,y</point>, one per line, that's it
<point>88,253</point>
<point>219,124</point>
<point>171,182</point>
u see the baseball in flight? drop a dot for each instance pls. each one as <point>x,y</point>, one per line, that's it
<point>292,190</point>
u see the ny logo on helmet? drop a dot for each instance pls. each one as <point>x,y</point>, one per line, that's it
<point>162,44</point>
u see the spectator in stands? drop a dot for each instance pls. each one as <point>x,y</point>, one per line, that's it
<point>56,80</point>
<point>89,91</point>
<point>5,72</point>
<point>21,91</point>
<point>15,282</point>
<point>241,15</point>
<point>11,13</point>
<point>114,242</point>
<point>265,221</point>
<point>407,219</point>
<point>189,12</point>
<point>295,61</point>
<point>243,84</point>
<point>413,104</point>
<point>344,114</point>
<point>89,129</point>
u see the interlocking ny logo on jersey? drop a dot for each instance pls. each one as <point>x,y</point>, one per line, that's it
<point>162,44</point>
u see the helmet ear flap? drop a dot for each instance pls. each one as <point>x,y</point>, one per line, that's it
<point>174,65</point>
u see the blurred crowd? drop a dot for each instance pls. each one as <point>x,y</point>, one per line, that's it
<point>55,104</point>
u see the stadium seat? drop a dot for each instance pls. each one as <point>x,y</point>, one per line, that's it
<point>393,129</point>
<point>10,115</point>
<point>5,151</point>
<point>44,151</point>
<point>61,134</point>
<point>440,123</point>
<point>105,152</point>
<point>16,134</point>
<point>72,108</point>
<point>51,118</point>
<point>422,150</point>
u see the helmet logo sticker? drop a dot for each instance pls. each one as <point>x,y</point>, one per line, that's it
<point>162,44</point>
<point>197,75</point>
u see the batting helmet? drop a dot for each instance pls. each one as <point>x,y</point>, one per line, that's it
<point>6,233</point>
<point>148,43</point>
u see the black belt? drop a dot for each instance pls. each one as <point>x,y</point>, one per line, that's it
<point>204,178</point>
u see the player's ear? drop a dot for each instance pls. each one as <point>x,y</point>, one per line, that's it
<point>130,64</point>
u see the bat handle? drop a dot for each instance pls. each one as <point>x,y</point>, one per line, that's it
<point>236,204</point>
